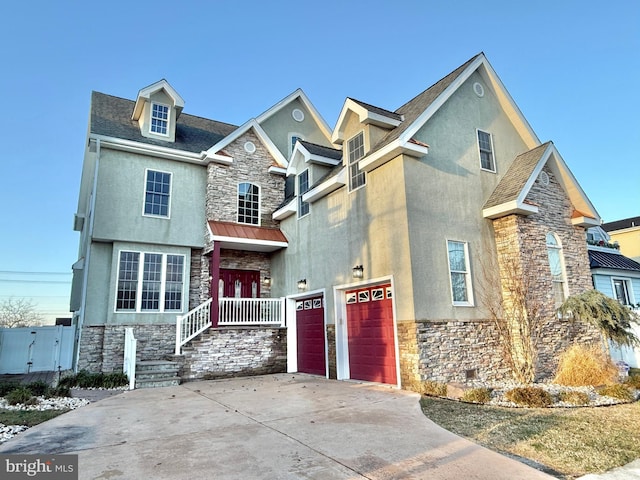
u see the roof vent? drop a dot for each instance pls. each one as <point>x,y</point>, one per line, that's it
<point>297,114</point>
<point>478,89</point>
<point>544,178</point>
<point>249,147</point>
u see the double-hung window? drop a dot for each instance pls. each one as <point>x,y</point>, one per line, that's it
<point>159,119</point>
<point>248,203</point>
<point>459,274</point>
<point>355,151</point>
<point>303,187</point>
<point>621,290</point>
<point>157,193</point>
<point>556,264</point>
<point>485,146</point>
<point>150,282</point>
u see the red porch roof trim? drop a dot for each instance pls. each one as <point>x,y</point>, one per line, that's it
<point>237,236</point>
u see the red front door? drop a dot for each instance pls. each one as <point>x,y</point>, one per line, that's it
<point>310,336</point>
<point>239,283</point>
<point>371,335</point>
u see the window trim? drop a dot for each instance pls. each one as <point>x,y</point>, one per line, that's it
<point>628,286</point>
<point>259,212</point>
<point>144,197</point>
<point>168,120</point>
<point>140,282</point>
<point>300,193</point>
<point>493,151</point>
<point>469,302</point>
<point>559,248</point>
<point>352,163</point>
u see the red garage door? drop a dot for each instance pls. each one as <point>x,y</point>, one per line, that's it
<point>310,335</point>
<point>372,350</point>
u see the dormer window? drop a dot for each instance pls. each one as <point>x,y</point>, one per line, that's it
<point>159,119</point>
<point>355,151</point>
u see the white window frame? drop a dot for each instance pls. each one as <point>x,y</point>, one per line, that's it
<point>144,198</point>
<point>259,213</point>
<point>290,137</point>
<point>560,250</point>
<point>351,162</point>
<point>469,302</point>
<point>300,193</point>
<point>628,286</point>
<point>167,121</point>
<point>493,151</point>
<point>140,283</point>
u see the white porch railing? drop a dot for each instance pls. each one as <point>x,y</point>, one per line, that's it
<point>129,366</point>
<point>192,324</point>
<point>251,311</point>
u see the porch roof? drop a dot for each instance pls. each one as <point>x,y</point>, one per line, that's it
<point>237,236</point>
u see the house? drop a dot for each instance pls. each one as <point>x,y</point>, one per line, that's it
<point>618,277</point>
<point>627,233</point>
<point>366,251</point>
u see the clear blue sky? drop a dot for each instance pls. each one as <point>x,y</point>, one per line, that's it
<point>573,68</point>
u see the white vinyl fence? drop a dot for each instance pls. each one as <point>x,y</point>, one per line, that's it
<point>36,349</point>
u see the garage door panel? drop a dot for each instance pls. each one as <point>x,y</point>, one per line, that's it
<point>371,335</point>
<point>310,337</point>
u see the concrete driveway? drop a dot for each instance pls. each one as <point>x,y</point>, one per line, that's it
<point>285,426</point>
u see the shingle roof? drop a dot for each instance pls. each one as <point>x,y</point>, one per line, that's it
<point>621,224</point>
<point>378,110</point>
<point>315,149</point>
<point>111,116</point>
<point>414,107</point>
<point>516,177</point>
<point>598,259</point>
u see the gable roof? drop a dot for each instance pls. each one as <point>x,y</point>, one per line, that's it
<point>111,117</point>
<point>510,195</point>
<point>633,222</point>
<point>616,261</point>
<point>254,124</point>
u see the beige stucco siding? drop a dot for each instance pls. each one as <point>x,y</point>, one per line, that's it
<point>446,191</point>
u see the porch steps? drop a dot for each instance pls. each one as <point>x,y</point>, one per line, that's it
<point>157,373</point>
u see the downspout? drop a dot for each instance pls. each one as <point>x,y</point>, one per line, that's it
<point>87,255</point>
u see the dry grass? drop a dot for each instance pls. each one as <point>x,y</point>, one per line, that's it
<point>572,442</point>
<point>581,365</point>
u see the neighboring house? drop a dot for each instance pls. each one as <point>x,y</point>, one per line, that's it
<point>627,233</point>
<point>617,276</point>
<point>363,252</point>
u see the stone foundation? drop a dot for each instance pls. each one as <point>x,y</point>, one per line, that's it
<point>102,346</point>
<point>233,352</point>
<point>331,351</point>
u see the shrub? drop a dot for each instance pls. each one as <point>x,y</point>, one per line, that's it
<point>6,387</point>
<point>115,379</point>
<point>84,379</point>
<point>39,388</point>
<point>621,392</point>
<point>529,397</point>
<point>477,395</point>
<point>60,391</point>
<point>22,395</point>
<point>574,398</point>
<point>581,366</point>
<point>435,389</point>
<point>633,381</point>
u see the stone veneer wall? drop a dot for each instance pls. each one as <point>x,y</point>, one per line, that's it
<point>331,351</point>
<point>523,238</point>
<point>102,346</point>
<point>235,351</point>
<point>409,353</point>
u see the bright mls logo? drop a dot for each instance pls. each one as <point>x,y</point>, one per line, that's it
<point>51,467</point>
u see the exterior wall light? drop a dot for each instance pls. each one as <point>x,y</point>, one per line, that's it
<point>267,281</point>
<point>358,271</point>
<point>302,284</point>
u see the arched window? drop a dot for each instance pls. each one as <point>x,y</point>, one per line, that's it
<point>248,203</point>
<point>556,264</point>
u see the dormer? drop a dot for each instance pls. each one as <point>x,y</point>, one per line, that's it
<point>157,109</point>
<point>378,120</point>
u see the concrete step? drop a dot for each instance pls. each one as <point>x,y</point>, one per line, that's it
<point>157,373</point>
<point>157,382</point>
<point>151,374</point>
<point>157,365</point>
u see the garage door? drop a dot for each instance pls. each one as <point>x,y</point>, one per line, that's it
<point>310,336</point>
<point>371,338</point>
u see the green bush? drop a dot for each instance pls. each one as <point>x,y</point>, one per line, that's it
<point>60,391</point>
<point>621,392</point>
<point>477,395</point>
<point>39,388</point>
<point>6,387</point>
<point>22,395</point>
<point>530,397</point>
<point>574,398</point>
<point>84,379</point>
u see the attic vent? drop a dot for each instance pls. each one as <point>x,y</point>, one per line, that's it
<point>478,89</point>
<point>297,114</point>
<point>249,147</point>
<point>544,178</point>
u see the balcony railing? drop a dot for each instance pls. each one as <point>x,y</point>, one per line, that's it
<point>231,311</point>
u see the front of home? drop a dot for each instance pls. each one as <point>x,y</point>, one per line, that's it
<point>371,251</point>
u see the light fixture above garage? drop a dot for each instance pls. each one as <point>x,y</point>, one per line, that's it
<point>358,271</point>
<point>302,284</point>
<point>267,281</point>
